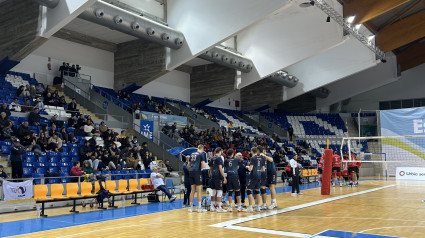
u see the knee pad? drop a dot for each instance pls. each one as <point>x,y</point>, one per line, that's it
<point>263,191</point>
<point>230,193</point>
<point>219,193</point>
<point>256,192</point>
<point>248,192</point>
<point>237,193</point>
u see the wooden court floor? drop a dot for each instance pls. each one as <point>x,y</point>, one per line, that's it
<point>378,207</point>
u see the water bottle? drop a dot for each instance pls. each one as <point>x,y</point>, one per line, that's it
<point>123,201</point>
<point>38,212</point>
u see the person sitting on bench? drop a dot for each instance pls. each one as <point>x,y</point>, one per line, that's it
<point>158,183</point>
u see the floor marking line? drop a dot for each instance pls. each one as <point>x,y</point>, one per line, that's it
<point>390,227</point>
<point>293,208</point>
<point>267,231</point>
<point>355,218</point>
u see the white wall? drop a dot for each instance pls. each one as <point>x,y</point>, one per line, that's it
<point>95,62</point>
<point>410,85</point>
<point>228,101</point>
<point>174,84</point>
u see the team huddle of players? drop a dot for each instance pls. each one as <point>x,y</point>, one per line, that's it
<point>348,169</point>
<point>262,175</point>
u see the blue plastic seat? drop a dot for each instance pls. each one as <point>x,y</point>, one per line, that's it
<point>54,159</point>
<point>40,170</point>
<point>65,159</point>
<point>53,169</point>
<point>27,171</point>
<point>5,149</point>
<point>42,159</point>
<point>30,159</point>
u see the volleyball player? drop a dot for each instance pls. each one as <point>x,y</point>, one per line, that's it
<point>263,183</point>
<point>217,180</point>
<point>271,178</point>
<point>195,165</point>
<point>358,165</point>
<point>344,169</point>
<point>336,168</point>
<point>352,168</point>
<point>231,165</point>
<point>255,167</point>
<point>320,169</point>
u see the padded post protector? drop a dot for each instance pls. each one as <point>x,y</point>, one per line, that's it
<point>327,172</point>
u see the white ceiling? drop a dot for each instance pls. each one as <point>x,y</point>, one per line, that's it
<point>98,31</point>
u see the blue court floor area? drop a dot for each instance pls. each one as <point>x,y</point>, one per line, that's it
<point>348,234</point>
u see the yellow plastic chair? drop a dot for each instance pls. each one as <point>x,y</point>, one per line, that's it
<point>40,192</point>
<point>56,191</point>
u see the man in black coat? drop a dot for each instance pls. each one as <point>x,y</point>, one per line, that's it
<point>16,152</point>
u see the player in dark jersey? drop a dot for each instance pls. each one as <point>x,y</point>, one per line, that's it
<point>358,165</point>
<point>217,180</point>
<point>263,183</point>
<point>255,167</point>
<point>195,165</point>
<point>320,169</point>
<point>336,168</point>
<point>231,164</point>
<point>271,178</point>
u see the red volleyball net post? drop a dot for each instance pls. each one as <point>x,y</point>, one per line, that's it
<point>327,170</point>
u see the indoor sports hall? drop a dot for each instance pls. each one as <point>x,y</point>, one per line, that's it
<point>227,118</point>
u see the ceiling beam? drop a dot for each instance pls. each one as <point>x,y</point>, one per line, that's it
<point>412,56</point>
<point>85,40</point>
<point>400,15</point>
<point>402,32</point>
<point>365,10</point>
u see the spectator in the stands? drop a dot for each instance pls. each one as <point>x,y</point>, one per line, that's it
<point>102,127</point>
<point>169,168</point>
<point>20,92</point>
<point>87,169</point>
<point>14,106</point>
<point>3,176</point>
<point>72,122</point>
<point>84,149</point>
<point>146,159</point>
<point>62,102</point>
<point>4,108</point>
<point>39,90</point>
<point>134,142</point>
<point>23,130</point>
<point>290,132</point>
<point>108,142</point>
<point>48,99</point>
<point>72,106</point>
<point>33,92</point>
<point>30,144</point>
<point>89,128</point>
<point>63,70</point>
<point>54,120</point>
<point>230,125</point>
<point>8,132</point>
<point>158,183</point>
<point>54,143</point>
<point>42,141</point>
<point>81,121</point>
<point>66,136</point>
<point>4,120</point>
<point>27,107</point>
<point>76,171</point>
<point>166,129</point>
<point>107,161</point>
<point>55,99</point>
<point>92,142</point>
<point>132,161</point>
<point>39,104</point>
<point>34,118</point>
<point>72,71</point>
<point>114,149</point>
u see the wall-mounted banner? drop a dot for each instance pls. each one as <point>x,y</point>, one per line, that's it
<point>165,118</point>
<point>403,151</point>
<point>410,173</point>
<point>146,129</point>
<point>17,191</point>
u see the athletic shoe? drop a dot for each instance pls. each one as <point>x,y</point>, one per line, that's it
<point>272,206</point>
<point>294,194</point>
<point>191,209</point>
<point>212,208</point>
<point>220,210</point>
<point>241,210</point>
<point>243,206</point>
<point>173,198</point>
<point>230,209</point>
<point>250,210</point>
<point>340,184</point>
<point>258,209</point>
<point>264,207</point>
<point>299,193</point>
<point>200,210</point>
<point>333,184</point>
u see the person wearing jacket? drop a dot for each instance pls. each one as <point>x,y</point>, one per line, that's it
<point>16,152</point>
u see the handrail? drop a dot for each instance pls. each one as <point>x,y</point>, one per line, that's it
<point>111,96</point>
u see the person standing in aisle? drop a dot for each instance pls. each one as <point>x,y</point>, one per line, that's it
<point>187,189</point>
<point>295,166</point>
<point>16,152</point>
